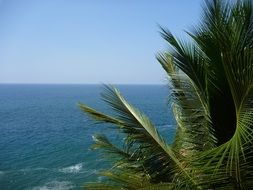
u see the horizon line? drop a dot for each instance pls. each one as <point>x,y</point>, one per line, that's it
<point>11,83</point>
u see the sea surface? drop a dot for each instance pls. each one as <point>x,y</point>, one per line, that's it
<point>45,139</point>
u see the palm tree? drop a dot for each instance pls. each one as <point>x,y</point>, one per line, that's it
<point>211,82</point>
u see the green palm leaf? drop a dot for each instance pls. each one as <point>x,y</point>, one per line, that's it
<point>211,90</point>
<point>139,130</point>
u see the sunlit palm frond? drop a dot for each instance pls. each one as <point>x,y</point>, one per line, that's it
<point>190,110</point>
<point>140,131</point>
<point>127,180</point>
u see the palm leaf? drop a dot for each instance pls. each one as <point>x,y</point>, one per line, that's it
<point>139,129</point>
<point>191,113</point>
<point>211,86</point>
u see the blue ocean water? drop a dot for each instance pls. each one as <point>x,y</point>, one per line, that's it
<point>45,139</point>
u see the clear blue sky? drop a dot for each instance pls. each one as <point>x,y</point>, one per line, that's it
<point>88,41</point>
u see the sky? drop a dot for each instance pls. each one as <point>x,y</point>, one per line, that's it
<point>89,41</point>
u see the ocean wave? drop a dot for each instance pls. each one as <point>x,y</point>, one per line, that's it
<point>72,169</point>
<point>32,169</point>
<point>166,126</point>
<point>56,185</point>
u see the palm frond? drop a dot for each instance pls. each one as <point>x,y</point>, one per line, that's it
<point>140,131</point>
<point>190,110</point>
<point>211,90</point>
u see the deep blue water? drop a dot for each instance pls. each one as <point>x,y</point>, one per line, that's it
<point>45,139</point>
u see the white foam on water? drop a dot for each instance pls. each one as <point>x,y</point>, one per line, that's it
<point>56,185</point>
<point>72,169</point>
<point>166,126</point>
<point>32,169</point>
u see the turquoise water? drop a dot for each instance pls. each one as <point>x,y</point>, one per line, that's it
<point>45,138</point>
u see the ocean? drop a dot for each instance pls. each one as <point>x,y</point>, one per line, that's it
<point>45,139</point>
